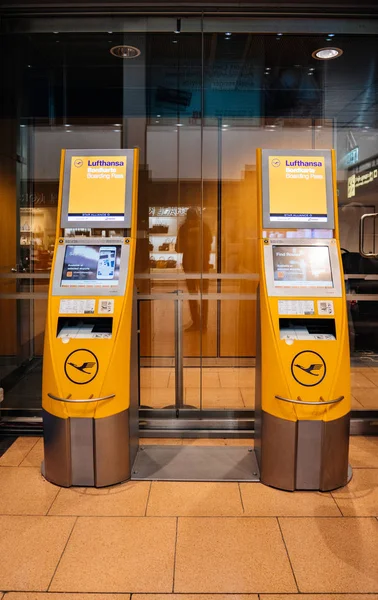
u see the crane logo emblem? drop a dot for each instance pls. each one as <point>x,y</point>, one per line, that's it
<point>308,368</point>
<point>81,366</point>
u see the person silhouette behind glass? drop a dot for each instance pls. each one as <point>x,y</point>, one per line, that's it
<point>194,242</point>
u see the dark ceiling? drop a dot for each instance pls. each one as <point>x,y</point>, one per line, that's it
<point>319,7</point>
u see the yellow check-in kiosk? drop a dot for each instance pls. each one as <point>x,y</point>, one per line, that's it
<point>302,364</point>
<point>90,366</point>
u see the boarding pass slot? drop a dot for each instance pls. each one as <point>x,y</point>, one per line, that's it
<point>84,328</point>
<point>307,329</point>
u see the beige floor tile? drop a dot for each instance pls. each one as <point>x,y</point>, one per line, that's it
<point>329,555</point>
<point>154,377</point>
<point>204,442</point>
<point>363,452</point>
<point>157,397</point>
<point>319,597</point>
<point>355,405</point>
<point>125,500</point>
<point>371,374</point>
<point>221,398</point>
<point>240,442</point>
<point>160,442</point>
<point>63,596</point>
<point>360,497</point>
<point>231,555</point>
<point>195,597</point>
<point>244,377</point>
<point>118,554</point>
<point>25,492</point>
<point>192,396</point>
<point>262,501</point>
<point>30,548</point>
<point>17,452</point>
<point>194,499</point>
<point>194,379</point>
<point>248,395</point>
<point>35,456</point>
<point>210,378</point>
<point>358,380</point>
<point>368,398</point>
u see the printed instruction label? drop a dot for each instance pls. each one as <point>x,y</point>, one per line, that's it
<point>296,307</point>
<point>325,307</point>
<point>106,307</point>
<point>77,307</point>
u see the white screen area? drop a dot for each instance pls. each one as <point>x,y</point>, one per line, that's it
<point>302,266</point>
<point>91,266</point>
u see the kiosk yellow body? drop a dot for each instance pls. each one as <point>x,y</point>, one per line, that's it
<point>303,365</point>
<point>90,369</point>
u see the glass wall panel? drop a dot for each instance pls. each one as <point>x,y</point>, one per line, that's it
<point>198,103</point>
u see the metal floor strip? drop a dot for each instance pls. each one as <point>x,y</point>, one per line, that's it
<point>196,463</point>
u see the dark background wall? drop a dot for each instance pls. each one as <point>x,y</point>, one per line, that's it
<point>363,7</point>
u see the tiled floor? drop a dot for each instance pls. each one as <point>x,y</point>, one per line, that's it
<point>222,388</point>
<point>186,541</point>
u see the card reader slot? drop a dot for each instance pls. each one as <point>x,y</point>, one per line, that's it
<point>307,329</point>
<point>85,327</point>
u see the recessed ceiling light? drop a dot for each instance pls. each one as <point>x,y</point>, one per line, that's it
<point>22,125</point>
<point>117,124</point>
<point>158,116</point>
<point>179,124</point>
<point>117,130</point>
<point>68,131</point>
<point>228,33</point>
<point>312,69</point>
<point>56,32</point>
<point>110,32</point>
<point>125,51</point>
<point>327,53</point>
<point>67,126</point>
<point>174,42</point>
<point>331,35</point>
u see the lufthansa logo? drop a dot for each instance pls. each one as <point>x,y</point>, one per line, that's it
<point>276,162</point>
<point>78,162</point>
<point>308,368</point>
<point>81,366</point>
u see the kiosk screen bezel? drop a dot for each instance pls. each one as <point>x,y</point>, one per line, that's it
<point>95,290</point>
<point>269,223</point>
<point>306,291</point>
<point>106,223</point>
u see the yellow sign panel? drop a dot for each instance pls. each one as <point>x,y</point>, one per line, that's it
<point>97,188</point>
<point>297,188</point>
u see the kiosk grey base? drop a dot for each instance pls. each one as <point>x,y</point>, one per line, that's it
<point>94,452</point>
<point>304,455</point>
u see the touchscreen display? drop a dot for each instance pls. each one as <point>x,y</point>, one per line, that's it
<point>302,266</point>
<point>91,265</point>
